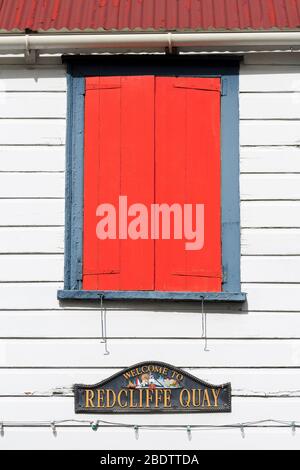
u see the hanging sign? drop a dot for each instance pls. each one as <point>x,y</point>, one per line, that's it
<point>152,387</point>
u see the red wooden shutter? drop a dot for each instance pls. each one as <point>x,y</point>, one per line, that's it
<point>187,171</point>
<point>175,161</point>
<point>119,160</point>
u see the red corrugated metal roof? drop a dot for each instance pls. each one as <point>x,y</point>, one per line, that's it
<point>148,15</point>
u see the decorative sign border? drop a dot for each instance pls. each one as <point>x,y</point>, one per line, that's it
<point>152,387</point>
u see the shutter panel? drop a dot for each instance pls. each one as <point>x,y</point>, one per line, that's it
<point>188,171</point>
<point>119,161</point>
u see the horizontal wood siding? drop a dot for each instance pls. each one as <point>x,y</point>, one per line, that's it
<point>245,382</point>
<point>49,267</point>
<point>63,408</point>
<point>185,353</point>
<point>155,323</point>
<point>45,345</point>
<point>83,438</point>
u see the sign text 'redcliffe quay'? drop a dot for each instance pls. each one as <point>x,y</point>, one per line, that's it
<point>152,387</point>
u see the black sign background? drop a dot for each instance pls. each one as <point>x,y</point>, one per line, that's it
<point>152,387</point>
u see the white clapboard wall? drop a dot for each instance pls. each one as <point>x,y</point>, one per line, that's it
<point>46,346</point>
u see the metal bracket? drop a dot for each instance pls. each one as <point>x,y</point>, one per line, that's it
<point>30,55</point>
<point>170,49</point>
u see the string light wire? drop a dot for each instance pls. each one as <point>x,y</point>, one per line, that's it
<point>54,425</point>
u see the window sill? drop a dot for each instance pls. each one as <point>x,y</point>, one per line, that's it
<point>151,295</point>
